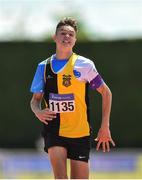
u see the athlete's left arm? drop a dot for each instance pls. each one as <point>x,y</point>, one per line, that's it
<point>104,136</point>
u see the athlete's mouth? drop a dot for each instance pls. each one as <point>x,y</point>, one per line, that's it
<point>66,41</point>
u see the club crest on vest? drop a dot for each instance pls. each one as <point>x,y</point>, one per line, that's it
<point>66,80</point>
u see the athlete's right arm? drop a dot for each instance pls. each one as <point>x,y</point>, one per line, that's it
<point>44,115</point>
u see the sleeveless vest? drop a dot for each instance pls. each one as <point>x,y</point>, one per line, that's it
<point>66,95</point>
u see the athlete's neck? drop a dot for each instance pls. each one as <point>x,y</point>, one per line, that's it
<point>63,55</point>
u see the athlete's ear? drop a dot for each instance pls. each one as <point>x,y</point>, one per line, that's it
<point>75,37</point>
<point>75,40</point>
<point>54,37</point>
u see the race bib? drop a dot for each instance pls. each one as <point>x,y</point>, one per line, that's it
<point>61,102</point>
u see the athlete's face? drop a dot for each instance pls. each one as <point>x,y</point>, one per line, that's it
<point>65,37</point>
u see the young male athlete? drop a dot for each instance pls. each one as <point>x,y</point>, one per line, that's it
<point>61,82</point>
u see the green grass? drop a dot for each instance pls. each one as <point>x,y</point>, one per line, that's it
<point>96,175</point>
<point>120,175</point>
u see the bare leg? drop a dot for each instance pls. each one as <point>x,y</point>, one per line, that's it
<point>58,159</point>
<point>79,170</point>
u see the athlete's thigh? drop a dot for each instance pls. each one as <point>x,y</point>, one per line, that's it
<point>79,169</point>
<point>58,159</point>
<point>79,148</point>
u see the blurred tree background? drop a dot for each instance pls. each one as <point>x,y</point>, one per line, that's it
<point>118,60</point>
<point>119,63</point>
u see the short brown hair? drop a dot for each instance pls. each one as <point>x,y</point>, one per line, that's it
<point>67,21</point>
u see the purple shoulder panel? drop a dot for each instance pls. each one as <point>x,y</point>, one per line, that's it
<point>96,82</point>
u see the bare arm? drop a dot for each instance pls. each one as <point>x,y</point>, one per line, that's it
<point>43,115</point>
<point>104,135</point>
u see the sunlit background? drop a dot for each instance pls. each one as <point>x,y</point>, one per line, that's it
<point>110,33</point>
<point>100,19</point>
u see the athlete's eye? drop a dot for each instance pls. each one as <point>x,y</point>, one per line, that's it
<point>71,35</point>
<point>63,33</point>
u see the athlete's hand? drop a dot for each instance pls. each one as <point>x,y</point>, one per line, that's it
<point>45,115</point>
<point>104,139</point>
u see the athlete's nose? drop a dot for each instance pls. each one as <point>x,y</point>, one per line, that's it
<point>67,35</point>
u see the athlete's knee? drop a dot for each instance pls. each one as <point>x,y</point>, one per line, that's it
<point>60,175</point>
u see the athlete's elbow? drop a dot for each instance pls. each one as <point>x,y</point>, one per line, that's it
<point>107,92</point>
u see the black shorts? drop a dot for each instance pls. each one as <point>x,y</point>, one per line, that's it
<point>77,148</point>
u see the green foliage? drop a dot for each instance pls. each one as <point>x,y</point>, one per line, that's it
<point>119,63</point>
